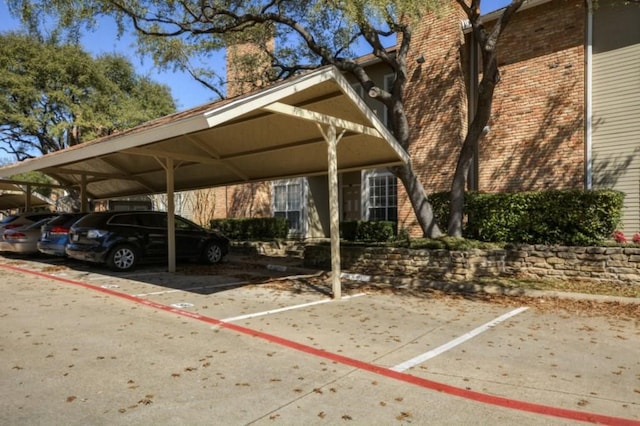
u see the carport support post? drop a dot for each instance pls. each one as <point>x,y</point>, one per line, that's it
<point>332,140</point>
<point>27,199</point>
<point>171,221</point>
<point>84,205</point>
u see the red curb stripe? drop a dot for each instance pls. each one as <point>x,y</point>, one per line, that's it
<point>361,365</point>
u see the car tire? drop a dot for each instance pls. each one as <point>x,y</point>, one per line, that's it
<point>122,258</point>
<point>212,253</point>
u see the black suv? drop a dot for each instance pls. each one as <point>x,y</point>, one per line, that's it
<point>122,239</point>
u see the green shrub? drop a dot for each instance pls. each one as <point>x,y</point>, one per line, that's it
<point>570,217</point>
<point>263,228</point>
<point>368,231</point>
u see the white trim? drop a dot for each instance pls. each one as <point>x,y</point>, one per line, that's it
<point>491,16</point>
<point>588,160</point>
<point>366,174</point>
<point>304,200</point>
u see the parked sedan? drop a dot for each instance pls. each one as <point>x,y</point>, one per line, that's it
<point>122,239</point>
<point>23,239</point>
<point>22,219</point>
<point>55,234</point>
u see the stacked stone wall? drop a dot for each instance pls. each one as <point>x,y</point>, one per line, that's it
<point>610,264</point>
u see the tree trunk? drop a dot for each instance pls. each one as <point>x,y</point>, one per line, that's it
<point>490,77</point>
<point>465,159</point>
<point>419,202</point>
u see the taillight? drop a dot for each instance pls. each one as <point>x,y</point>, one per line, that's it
<point>13,235</point>
<point>11,226</point>
<point>59,230</point>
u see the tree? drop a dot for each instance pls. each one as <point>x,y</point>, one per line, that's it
<point>487,40</point>
<point>307,33</point>
<point>54,95</point>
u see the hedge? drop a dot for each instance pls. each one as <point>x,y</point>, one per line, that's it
<point>264,228</point>
<point>569,217</point>
<point>368,231</point>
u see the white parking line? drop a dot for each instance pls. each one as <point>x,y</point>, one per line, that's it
<point>202,287</point>
<point>288,308</point>
<point>455,342</point>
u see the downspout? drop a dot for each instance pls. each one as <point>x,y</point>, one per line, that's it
<point>472,105</point>
<point>588,160</point>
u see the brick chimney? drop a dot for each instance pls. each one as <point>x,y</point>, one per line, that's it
<point>248,65</point>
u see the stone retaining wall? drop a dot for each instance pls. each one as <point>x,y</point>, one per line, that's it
<point>613,264</point>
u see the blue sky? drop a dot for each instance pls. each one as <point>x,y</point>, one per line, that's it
<point>186,91</point>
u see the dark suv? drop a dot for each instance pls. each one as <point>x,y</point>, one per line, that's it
<point>122,239</point>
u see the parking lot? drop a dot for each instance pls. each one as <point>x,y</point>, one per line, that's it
<point>243,343</point>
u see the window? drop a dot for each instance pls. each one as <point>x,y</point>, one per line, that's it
<point>288,196</point>
<point>382,201</point>
<point>124,219</point>
<point>184,225</point>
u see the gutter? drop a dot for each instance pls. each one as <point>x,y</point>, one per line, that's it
<point>492,16</point>
<point>588,151</point>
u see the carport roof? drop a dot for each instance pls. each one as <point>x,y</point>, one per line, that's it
<point>13,196</point>
<point>269,134</point>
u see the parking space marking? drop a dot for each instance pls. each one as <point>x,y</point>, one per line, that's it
<point>288,308</point>
<point>457,341</point>
<point>202,287</point>
<point>139,274</point>
<point>361,365</point>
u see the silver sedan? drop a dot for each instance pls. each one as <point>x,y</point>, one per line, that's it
<point>23,239</point>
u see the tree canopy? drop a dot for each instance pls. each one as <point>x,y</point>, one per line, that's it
<point>295,35</point>
<point>55,95</point>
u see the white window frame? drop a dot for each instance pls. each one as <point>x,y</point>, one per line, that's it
<point>293,232</point>
<point>366,199</point>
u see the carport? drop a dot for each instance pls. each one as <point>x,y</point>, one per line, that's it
<point>314,124</point>
<point>16,194</point>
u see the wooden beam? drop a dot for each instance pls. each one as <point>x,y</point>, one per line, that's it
<point>150,152</point>
<point>316,117</point>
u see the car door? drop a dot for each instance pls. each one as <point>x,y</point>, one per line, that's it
<point>154,226</point>
<point>189,238</point>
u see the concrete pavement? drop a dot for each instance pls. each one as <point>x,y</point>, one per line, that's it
<point>82,346</point>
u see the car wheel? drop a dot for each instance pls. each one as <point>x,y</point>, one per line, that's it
<point>212,253</point>
<point>122,258</point>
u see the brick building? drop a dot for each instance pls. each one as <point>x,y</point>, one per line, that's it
<point>564,116</point>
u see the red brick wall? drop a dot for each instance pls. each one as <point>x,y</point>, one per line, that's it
<point>435,101</point>
<point>537,132</point>
<point>537,128</point>
<point>246,200</point>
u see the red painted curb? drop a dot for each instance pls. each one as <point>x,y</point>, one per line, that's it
<point>383,371</point>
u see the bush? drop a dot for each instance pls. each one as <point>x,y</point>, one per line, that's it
<point>264,228</point>
<point>570,217</point>
<point>368,231</point>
